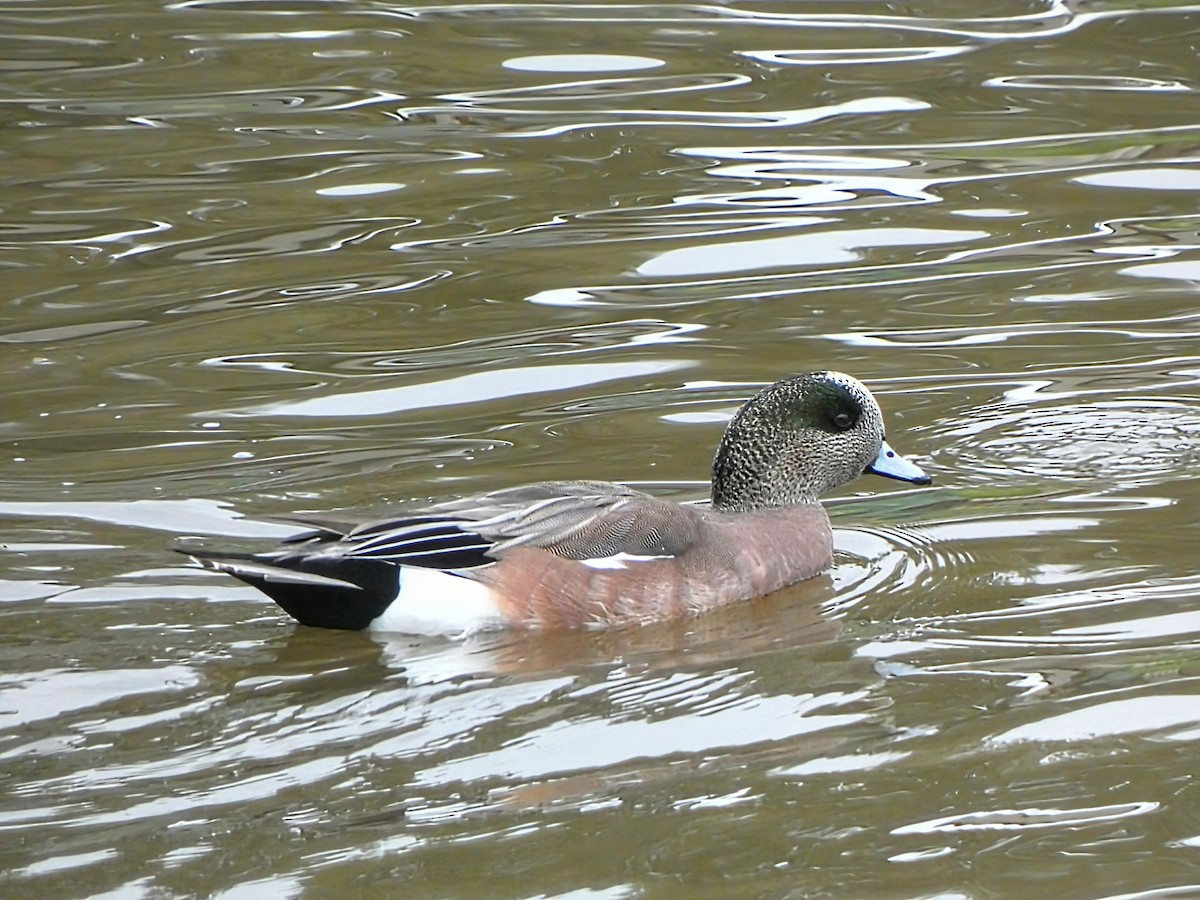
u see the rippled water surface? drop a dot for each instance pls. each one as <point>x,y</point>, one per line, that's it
<point>261,258</point>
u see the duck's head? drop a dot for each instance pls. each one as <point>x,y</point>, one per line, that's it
<point>800,437</point>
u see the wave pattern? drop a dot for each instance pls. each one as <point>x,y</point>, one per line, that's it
<point>270,258</point>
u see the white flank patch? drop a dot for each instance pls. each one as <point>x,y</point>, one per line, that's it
<point>435,602</point>
<point>618,561</point>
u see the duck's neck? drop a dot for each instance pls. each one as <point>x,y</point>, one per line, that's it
<point>738,489</point>
<point>756,468</point>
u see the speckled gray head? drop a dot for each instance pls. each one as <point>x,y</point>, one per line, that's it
<point>800,437</point>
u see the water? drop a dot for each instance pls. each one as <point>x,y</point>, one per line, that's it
<point>260,259</point>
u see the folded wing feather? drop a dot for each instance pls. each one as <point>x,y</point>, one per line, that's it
<point>576,520</point>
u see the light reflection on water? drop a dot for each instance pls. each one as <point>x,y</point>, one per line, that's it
<point>377,240</point>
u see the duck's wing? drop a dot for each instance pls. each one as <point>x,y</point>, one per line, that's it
<point>428,541</point>
<point>582,520</point>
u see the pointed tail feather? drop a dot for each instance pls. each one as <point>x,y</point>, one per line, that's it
<point>254,570</point>
<point>346,594</point>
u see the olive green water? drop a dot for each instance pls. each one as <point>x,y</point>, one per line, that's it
<point>265,258</point>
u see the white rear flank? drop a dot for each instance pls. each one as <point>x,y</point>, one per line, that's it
<point>433,602</point>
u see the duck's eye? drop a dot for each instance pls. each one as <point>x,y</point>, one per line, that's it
<point>842,421</point>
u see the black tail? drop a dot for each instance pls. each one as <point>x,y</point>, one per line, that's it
<point>326,593</point>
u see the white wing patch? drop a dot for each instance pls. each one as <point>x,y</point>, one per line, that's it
<point>619,561</point>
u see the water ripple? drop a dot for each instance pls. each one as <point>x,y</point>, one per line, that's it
<point>423,247</point>
<point>1110,441</point>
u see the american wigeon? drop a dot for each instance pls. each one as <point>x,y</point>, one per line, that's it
<point>564,554</point>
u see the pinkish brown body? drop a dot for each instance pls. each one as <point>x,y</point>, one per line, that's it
<point>745,556</point>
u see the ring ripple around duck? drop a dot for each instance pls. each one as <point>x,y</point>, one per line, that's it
<point>872,561</point>
<point>1122,441</point>
<point>1116,440</point>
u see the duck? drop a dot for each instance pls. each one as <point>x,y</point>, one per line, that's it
<point>582,554</point>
